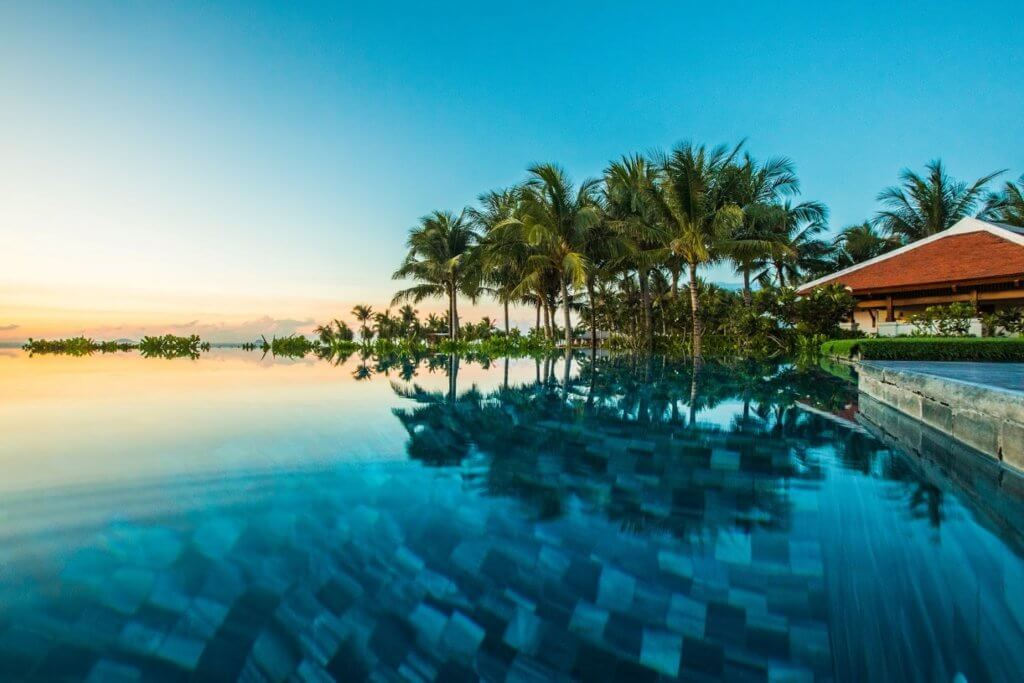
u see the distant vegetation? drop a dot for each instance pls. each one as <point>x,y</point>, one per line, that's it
<point>171,346</point>
<point>75,346</point>
<point>292,345</point>
<point>167,346</point>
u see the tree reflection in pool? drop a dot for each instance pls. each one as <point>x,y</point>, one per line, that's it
<point>624,520</point>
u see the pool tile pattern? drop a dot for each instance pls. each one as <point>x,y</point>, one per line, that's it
<point>594,549</point>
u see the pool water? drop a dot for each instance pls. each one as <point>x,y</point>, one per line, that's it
<point>444,519</point>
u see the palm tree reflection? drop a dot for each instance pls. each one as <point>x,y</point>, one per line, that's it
<point>614,437</point>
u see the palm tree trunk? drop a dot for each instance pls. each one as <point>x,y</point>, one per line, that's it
<point>675,283</point>
<point>537,326</point>
<point>645,293</point>
<point>593,317</point>
<point>698,327</point>
<point>455,316</point>
<point>747,296</point>
<point>451,315</point>
<point>780,275</point>
<point>547,322</point>
<point>568,320</point>
<point>506,317</point>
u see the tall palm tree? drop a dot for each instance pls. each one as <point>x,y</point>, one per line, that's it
<point>441,259</point>
<point>558,220</point>
<point>757,185</point>
<point>627,190</point>
<point>1007,206</point>
<point>504,253</point>
<point>793,232</point>
<point>363,313</point>
<point>692,198</point>
<point>924,205</point>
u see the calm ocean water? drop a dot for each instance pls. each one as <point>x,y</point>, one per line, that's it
<point>445,519</point>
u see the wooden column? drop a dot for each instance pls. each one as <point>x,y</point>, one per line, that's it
<point>890,314</point>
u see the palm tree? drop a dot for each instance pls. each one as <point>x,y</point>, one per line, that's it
<point>342,331</point>
<point>858,243</point>
<point>922,206</point>
<point>692,199</point>
<point>793,232</point>
<point>628,209</point>
<point>363,313</point>
<point>325,333</point>
<point>757,185</point>
<point>441,258</point>
<point>384,324</point>
<point>409,322</point>
<point>558,220</point>
<point>504,253</point>
<point>1007,206</point>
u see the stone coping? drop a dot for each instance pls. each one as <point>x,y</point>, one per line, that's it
<point>989,419</point>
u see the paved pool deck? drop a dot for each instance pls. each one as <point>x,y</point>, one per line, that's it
<point>1005,376</point>
<point>978,404</point>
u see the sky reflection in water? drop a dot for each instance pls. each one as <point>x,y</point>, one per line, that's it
<point>237,516</point>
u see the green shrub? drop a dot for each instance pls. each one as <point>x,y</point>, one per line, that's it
<point>927,348</point>
<point>1005,320</point>
<point>294,345</point>
<point>953,320</point>
<point>841,348</point>
<point>173,346</point>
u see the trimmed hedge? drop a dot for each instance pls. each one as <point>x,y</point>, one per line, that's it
<point>1003,349</point>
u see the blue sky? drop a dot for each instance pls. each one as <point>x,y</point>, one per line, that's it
<point>255,161</point>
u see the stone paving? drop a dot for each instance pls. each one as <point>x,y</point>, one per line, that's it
<point>1008,376</point>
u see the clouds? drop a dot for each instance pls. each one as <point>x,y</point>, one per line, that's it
<point>9,328</point>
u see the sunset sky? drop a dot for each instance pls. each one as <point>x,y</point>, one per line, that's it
<point>252,168</point>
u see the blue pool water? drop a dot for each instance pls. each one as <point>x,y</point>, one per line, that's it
<point>244,518</point>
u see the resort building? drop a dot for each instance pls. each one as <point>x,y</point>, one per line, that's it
<point>974,261</point>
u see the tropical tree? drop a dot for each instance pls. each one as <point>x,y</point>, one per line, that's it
<point>363,314</point>
<point>858,243</point>
<point>792,233</point>
<point>924,205</point>
<point>628,184</point>
<point>1007,206</point>
<point>504,252</point>
<point>408,321</point>
<point>558,220</point>
<point>758,185</point>
<point>324,333</point>
<point>384,324</point>
<point>692,199</point>
<point>442,259</point>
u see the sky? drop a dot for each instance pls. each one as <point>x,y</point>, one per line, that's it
<point>240,168</point>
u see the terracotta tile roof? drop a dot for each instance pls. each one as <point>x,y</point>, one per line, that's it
<point>956,258</point>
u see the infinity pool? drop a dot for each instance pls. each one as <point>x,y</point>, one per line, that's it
<point>443,519</point>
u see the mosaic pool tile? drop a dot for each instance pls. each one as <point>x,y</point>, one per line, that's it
<point>608,552</point>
